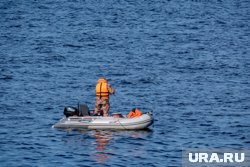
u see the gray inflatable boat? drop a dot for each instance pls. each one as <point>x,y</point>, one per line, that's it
<point>99,122</point>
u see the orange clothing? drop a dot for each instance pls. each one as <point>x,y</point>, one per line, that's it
<point>103,89</point>
<point>134,113</point>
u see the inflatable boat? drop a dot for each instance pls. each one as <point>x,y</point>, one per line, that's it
<point>99,122</point>
<point>121,122</point>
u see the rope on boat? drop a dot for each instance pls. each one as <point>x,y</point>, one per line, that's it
<point>121,124</point>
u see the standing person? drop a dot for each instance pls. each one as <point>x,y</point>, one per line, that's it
<point>103,89</point>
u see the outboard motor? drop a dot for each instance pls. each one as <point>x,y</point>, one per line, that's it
<point>70,111</point>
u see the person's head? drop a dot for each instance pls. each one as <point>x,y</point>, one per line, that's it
<point>102,79</point>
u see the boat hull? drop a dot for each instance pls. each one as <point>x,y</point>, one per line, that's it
<point>95,122</point>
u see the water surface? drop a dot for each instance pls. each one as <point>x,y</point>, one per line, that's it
<point>187,61</point>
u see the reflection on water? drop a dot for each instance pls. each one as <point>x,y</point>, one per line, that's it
<point>101,145</point>
<point>102,140</point>
<point>106,140</point>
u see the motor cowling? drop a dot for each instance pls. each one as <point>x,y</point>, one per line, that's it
<point>70,111</point>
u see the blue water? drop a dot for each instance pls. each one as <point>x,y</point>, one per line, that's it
<point>188,61</point>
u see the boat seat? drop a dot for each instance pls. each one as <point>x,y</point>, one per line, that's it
<point>83,110</point>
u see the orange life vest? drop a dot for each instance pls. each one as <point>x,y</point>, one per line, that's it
<point>102,88</point>
<point>134,113</point>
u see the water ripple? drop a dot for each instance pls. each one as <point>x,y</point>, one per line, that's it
<point>186,61</point>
